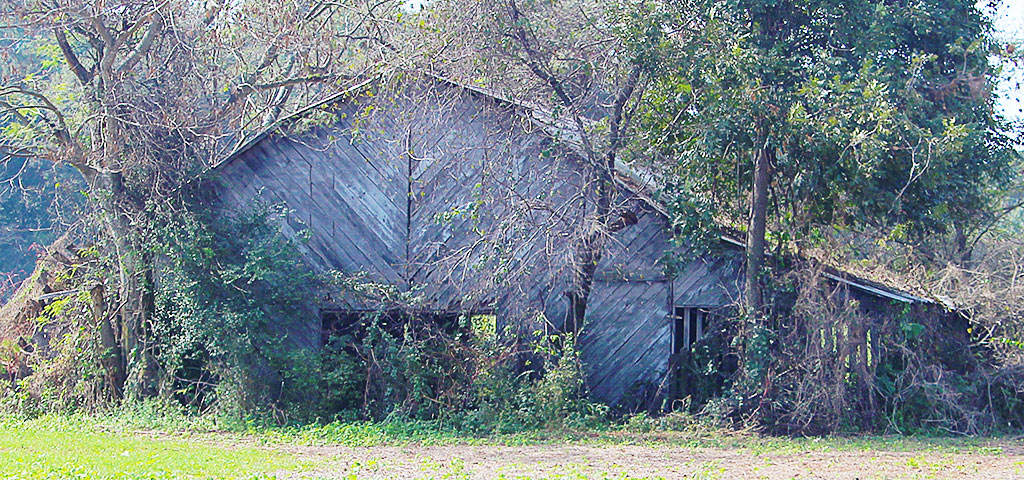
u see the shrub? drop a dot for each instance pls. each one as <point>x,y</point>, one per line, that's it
<point>231,307</point>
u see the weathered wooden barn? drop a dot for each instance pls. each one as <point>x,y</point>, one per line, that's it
<point>471,203</point>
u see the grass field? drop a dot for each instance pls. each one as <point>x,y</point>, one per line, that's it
<point>58,448</point>
<point>109,448</point>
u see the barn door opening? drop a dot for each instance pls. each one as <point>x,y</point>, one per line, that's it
<point>699,363</point>
<point>375,362</point>
<point>353,323</point>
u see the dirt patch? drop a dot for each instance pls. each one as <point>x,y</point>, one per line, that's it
<point>669,462</point>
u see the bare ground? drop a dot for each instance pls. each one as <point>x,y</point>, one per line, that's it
<point>659,461</point>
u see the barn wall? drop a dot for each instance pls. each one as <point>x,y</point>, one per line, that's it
<point>483,190</point>
<point>627,339</point>
<point>710,281</point>
<point>347,196</point>
<point>461,200</point>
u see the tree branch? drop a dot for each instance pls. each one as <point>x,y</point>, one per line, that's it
<point>84,76</point>
<point>288,82</point>
<point>618,106</point>
<point>145,44</point>
<point>58,128</point>
<point>245,87</point>
<point>103,31</point>
<point>532,61</point>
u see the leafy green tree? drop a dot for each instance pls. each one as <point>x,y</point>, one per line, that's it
<point>794,116</point>
<point>832,113</point>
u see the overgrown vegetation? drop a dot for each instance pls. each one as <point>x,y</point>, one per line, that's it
<point>231,311</point>
<point>855,135</point>
<point>464,375</point>
<point>232,337</point>
<point>907,369</point>
<point>233,329</point>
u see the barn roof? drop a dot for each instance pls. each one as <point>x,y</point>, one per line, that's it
<point>246,143</point>
<point>636,181</point>
<point>862,284</point>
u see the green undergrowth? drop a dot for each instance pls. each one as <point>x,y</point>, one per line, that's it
<point>400,433</point>
<point>674,430</point>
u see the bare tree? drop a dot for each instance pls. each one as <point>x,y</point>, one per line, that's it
<point>586,64</point>
<point>140,96</point>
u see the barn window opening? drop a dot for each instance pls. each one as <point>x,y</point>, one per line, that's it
<point>484,327</point>
<point>689,325</point>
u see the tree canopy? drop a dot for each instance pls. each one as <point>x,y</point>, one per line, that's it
<point>875,116</point>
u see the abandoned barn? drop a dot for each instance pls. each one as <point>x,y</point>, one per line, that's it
<point>471,203</point>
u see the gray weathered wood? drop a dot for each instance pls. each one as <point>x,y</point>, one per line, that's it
<point>370,188</point>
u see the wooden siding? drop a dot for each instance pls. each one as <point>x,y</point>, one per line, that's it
<point>626,342</point>
<point>458,197</point>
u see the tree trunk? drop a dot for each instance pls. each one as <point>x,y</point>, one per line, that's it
<point>135,299</point>
<point>592,246</point>
<point>135,320</point>
<point>963,253</point>
<point>754,366</point>
<point>112,357</point>
<point>588,255</point>
<point>756,229</point>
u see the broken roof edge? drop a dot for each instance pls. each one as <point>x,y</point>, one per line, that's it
<point>249,142</point>
<point>642,187</point>
<point>545,118</point>
<point>537,114</point>
<point>863,284</point>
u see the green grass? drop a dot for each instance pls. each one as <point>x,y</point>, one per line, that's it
<point>673,430</point>
<point>69,447</point>
<point>427,433</point>
<point>136,445</point>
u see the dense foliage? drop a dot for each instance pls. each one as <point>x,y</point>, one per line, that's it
<point>803,125</point>
<point>228,300</point>
<point>875,116</point>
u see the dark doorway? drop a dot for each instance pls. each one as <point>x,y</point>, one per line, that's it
<point>353,323</point>
<point>699,362</point>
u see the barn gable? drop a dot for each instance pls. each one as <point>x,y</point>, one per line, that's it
<point>416,190</point>
<point>470,202</point>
